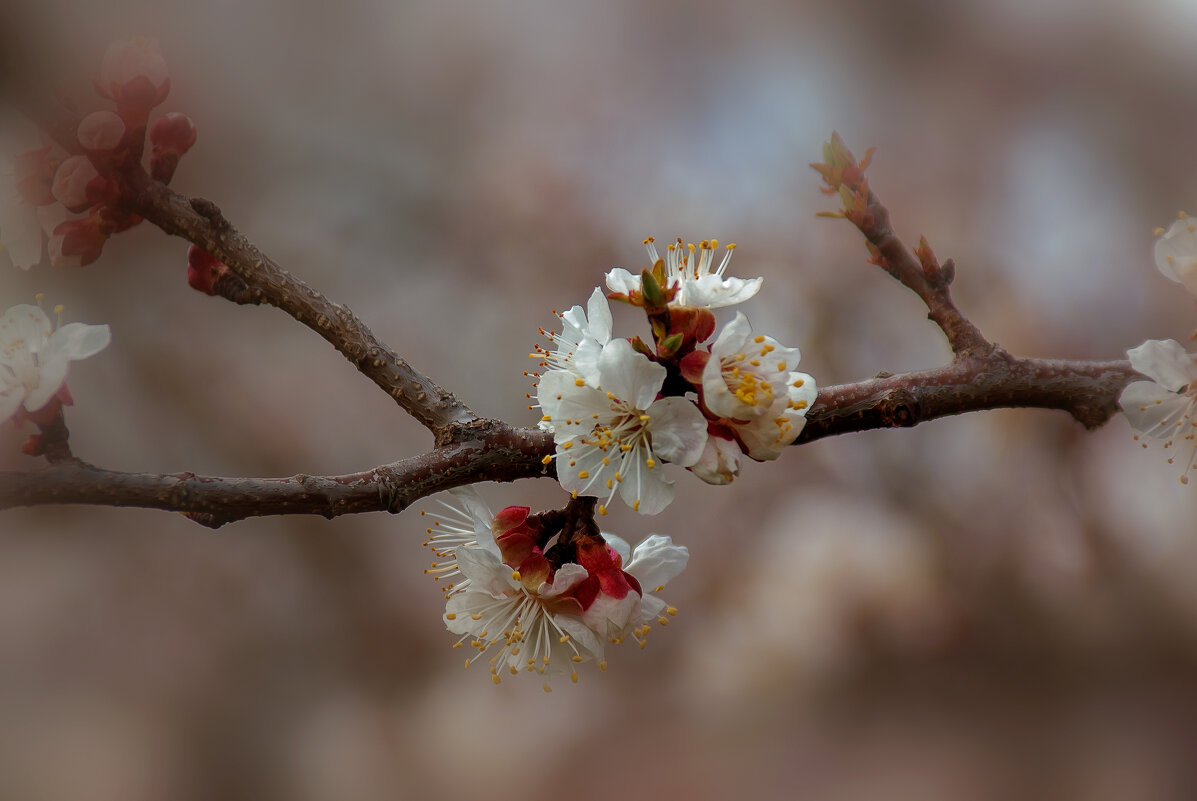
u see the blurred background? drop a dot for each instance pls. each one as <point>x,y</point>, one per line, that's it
<point>995,606</point>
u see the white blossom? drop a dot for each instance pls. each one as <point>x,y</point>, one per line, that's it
<point>465,523</point>
<point>1165,407</point>
<point>583,335</point>
<point>537,628</point>
<point>613,438</point>
<point>690,268</point>
<point>654,563</point>
<point>1176,252</point>
<point>749,380</point>
<point>34,357</point>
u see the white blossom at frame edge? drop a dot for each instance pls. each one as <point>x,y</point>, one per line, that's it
<point>1159,409</point>
<point>35,358</point>
<point>1176,253</point>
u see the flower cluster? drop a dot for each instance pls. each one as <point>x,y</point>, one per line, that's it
<point>70,203</point>
<point>34,358</point>
<point>544,593</point>
<point>619,408</point>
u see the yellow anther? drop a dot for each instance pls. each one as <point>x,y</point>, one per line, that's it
<point>450,616</point>
<point>495,678</point>
<point>546,688</point>
<point>547,460</point>
<point>650,463</point>
<point>781,366</point>
<point>476,616</point>
<point>603,666</point>
<point>644,418</point>
<point>671,610</point>
<point>565,446</point>
<point>758,339</point>
<point>547,418</point>
<point>573,676</point>
<point>798,383</point>
<point>583,474</point>
<point>515,574</point>
<point>1157,231</point>
<point>636,505</point>
<point>602,510</point>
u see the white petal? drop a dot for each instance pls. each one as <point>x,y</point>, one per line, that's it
<point>733,336</point>
<point>570,407</point>
<point>581,634</point>
<point>609,616</point>
<point>719,463</point>
<point>599,314</point>
<point>1153,411</point>
<point>568,576</point>
<point>620,545</point>
<point>78,341</point>
<point>581,470</point>
<point>629,375</point>
<point>586,361</point>
<point>651,608</point>
<point>678,429</point>
<point>621,281</point>
<point>27,324</point>
<point>484,570</point>
<point>472,503</point>
<point>650,487</point>
<point>657,561</point>
<point>805,391</point>
<point>1165,362</point>
<point>1176,253</point>
<point>716,292</point>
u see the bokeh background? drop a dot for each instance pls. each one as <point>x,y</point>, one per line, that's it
<point>996,606</point>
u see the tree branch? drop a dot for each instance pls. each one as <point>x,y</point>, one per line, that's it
<point>200,222</point>
<point>494,451</point>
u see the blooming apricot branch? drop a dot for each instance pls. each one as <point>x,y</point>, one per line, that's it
<point>527,592</point>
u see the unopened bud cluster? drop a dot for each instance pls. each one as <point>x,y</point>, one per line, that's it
<point>76,199</point>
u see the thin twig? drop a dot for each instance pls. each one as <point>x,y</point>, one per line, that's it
<point>200,222</point>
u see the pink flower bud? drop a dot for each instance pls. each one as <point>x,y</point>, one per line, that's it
<point>171,135</point>
<point>101,132</point>
<point>78,185</point>
<point>203,270</point>
<point>76,243</point>
<point>134,74</point>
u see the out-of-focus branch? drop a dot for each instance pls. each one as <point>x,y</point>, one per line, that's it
<point>200,222</point>
<point>497,452</point>
<point>919,270</point>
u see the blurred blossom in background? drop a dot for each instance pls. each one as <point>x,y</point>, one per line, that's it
<point>995,606</point>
